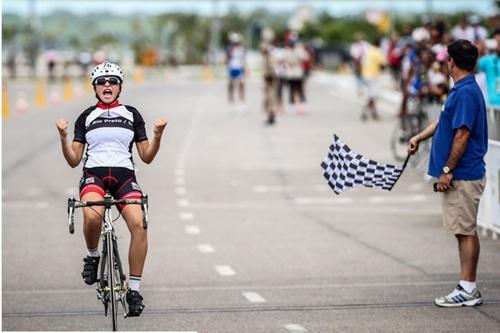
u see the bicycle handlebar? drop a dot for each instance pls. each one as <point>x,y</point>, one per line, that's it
<point>107,202</point>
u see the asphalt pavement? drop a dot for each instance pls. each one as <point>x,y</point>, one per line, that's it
<point>245,234</point>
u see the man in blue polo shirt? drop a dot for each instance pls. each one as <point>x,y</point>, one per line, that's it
<point>460,141</point>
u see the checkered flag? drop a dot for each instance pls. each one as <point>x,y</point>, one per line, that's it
<point>344,168</point>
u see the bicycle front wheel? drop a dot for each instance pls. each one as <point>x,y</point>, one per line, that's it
<point>112,278</point>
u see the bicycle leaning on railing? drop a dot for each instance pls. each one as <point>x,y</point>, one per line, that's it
<point>413,122</point>
<point>112,283</point>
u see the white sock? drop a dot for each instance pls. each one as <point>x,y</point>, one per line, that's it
<point>134,283</point>
<point>93,252</point>
<point>468,286</point>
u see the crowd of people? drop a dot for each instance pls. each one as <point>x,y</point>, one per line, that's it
<point>417,60</point>
<point>286,65</point>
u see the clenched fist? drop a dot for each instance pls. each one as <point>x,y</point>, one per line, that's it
<point>159,126</point>
<point>62,126</point>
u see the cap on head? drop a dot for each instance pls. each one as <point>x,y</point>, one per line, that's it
<point>234,37</point>
<point>106,69</point>
<point>420,34</point>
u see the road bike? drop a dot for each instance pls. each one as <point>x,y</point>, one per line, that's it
<point>412,123</point>
<point>112,283</point>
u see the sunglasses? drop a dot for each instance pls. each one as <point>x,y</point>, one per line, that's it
<point>112,81</point>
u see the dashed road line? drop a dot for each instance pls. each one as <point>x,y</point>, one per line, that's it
<point>192,230</point>
<point>225,270</point>
<point>179,172</point>
<point>180,190</point>
<point>180,181</point>
<point>186,216</point>
<point>25,205</point>
<point>295,328</point>
<point>253,297</point>
<point>323,201</point>
<point>400,199</point>
<point>267,189</point>
<point>205,248</point>
<point>183,202</point>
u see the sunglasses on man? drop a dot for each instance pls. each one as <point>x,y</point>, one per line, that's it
<point>100,81</point>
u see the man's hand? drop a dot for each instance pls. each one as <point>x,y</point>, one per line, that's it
<point>62,126</point>
<point>159,126</point>
<point>444,182</point>
<point>413,145</point>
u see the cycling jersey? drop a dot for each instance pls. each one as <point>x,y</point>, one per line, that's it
<point>109,132</point>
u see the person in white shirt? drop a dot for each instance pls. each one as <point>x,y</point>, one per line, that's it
<point>235,62</point>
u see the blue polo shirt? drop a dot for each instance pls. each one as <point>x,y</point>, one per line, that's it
<point>464,107</point>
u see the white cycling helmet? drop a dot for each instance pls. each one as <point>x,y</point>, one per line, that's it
<point>106,69</point>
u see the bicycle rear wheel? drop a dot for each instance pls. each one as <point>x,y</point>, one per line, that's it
<point>399,139</point>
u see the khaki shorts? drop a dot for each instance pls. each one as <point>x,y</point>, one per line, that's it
<point>460,205</point>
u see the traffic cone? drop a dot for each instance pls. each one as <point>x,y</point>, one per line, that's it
<point>22,102</point>
<point>40,100</point>
<point>68,90</point>
<point>5,102</point>
<point>87,87</point>
<point>139,75</point>
<point>208,73</point>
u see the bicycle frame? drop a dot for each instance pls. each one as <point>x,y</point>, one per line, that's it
<point>111,285</point>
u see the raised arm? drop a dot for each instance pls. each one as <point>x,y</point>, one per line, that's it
<point>147,150</point>
<point>73,151</point>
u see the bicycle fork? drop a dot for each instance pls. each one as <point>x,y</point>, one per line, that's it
<point>119,288</point>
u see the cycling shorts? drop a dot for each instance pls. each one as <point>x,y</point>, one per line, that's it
<point>236,73</point>
<point>119,182</point>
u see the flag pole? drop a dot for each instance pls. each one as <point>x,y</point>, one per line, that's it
<point>402,170</point>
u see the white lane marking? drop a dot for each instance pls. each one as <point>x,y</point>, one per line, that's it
<point>253,297</point>
<point>186,216</point>
<point>266,189</point>
<point>295,328</point>
<point>179,172</point>
<point>192,230</point>
<point>205,248</point>
<point>323,201</point>
<point>266,287</point>
<point>180,181</point>
<point>417,186</point>
<point>225,270</point>
<point>190,136</point>
<point>33,192</point>
<point>25,205</point>
<point>406,199</point>
<point>180,190</point>
<point>183,202</point>
<point>322,188</point>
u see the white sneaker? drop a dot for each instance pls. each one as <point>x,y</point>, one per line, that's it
<point>459,297</point>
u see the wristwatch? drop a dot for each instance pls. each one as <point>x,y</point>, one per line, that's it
<point>446,170</point>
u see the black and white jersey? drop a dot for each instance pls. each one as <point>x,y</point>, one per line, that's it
<point>109,132</point>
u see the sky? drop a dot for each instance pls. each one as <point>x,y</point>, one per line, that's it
<point>334,7</point>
